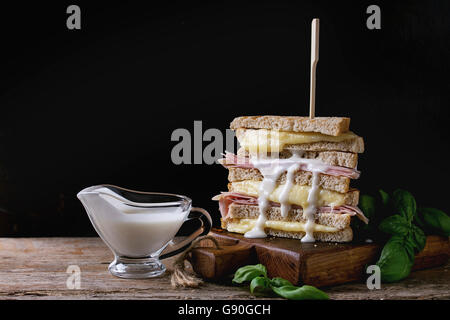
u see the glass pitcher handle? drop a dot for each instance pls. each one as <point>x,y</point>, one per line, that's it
<point>196,214</point>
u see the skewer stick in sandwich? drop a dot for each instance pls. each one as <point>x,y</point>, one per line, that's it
<point>314,60</point>
<point>291,177</point>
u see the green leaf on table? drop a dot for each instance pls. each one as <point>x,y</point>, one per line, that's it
<point>396,260</point>
<point>437,220</point>
<point>280,282</point>
<point>405,203</point>
<point>260,283</point>
<point>395,225</point>
<point>248,273</point>
<point>410,246</point>
<point>300,293</point>
<point>418,237</point>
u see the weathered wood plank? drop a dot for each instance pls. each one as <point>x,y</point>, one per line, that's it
<point>35,268</point>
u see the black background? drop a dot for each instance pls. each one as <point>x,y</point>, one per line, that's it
<point>98,105</point>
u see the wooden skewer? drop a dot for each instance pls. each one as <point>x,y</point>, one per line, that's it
<point>314,60</point>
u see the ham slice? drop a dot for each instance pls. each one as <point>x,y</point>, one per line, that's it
<point>234,161</point>
<point>227,198</point>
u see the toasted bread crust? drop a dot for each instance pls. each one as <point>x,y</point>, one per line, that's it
<point>345,235</point>
<point>338,184</point>
<point>355,145</point>
<point>332,158</point>
<point>332,126</point>
<point>242,211</point>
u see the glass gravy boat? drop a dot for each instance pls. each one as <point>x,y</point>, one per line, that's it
<point>141,228</point>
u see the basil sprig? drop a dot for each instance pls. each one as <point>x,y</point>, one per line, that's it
<point>257,276</point>
<point>248,273</point>
<point>399,217</point>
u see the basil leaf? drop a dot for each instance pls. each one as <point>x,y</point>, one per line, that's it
<point>384,197</point>
<point>396,260</point>
<point>259,282</point>
<point>300,293</point>
<point>409,244</point>
<point>437,220</point>
<point>395,225</point>
<point>280,282</point>
<point>367,205</point>
<point>418,237</point>
<point>405,203</point>
<point>248,273</point>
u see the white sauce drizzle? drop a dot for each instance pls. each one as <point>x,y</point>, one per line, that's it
<point>284,195</point>
<point>310,211</point>
<point>271,174</point>
<point>272,169</point>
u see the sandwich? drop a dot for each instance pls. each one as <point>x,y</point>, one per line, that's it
<point>291,178</point>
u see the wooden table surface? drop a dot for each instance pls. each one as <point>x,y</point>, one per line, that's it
<point>36,268</point>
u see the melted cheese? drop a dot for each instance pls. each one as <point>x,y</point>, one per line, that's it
<point>298,195</point>
<point>245,225</point>
<point>263,141</point>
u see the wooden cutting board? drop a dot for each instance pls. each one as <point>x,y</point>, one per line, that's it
<point>318,264</point>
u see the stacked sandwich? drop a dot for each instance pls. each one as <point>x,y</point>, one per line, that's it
<point>291,178</point>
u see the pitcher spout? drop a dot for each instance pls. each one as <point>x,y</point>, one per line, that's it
<point>88,194</point>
